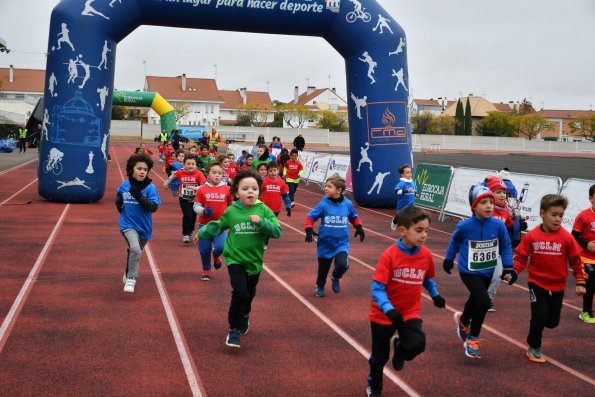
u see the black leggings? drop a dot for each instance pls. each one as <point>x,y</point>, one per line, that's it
<point>588,297</point>
<point>188,217</point>
<point>324,265</point>
<point>545,312</point>
<point>243,287</point>
<point>478,303</point>
<point>412,342</point>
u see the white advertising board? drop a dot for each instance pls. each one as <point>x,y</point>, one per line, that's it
<point>457,202</point>
<point>577,193</point>
<point>318,168</point>
<point>306,158</point>
<point>339,164</point>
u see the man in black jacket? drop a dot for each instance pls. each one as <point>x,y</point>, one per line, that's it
<point>299,142</point>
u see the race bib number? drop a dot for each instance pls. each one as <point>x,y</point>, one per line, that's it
<point>483,254</point>
<point>188,192</point>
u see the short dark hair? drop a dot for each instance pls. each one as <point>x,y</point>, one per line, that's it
<point>261,165</point>
<point>248,156</point>
<point>338,182</point>
<point>138,158</point>
<point>402,168</point>
<point>552,200</point>
<point>212,164</point>
<point>592,190</point>
<point>411,215</point>
<point>272,164</point>
<point>188,156</point>
<point>294,150</point>
<point>243,174</point>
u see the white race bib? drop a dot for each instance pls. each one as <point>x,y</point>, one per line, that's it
<point>482,254</point>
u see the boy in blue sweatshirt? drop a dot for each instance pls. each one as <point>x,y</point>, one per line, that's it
<point>478,241</point>
<point>406,191</point>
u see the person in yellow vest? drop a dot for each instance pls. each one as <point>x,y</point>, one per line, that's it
<point>214,139</point>
<point>163,137</point>
<point>22,139</point>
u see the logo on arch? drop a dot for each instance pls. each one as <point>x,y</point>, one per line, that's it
<point>384,125</point>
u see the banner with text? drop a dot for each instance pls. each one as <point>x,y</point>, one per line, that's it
<point>432,185</point>
<point>339,164</point>
<point>306,158</point>
<point>457,202</point>
<point>577,193</point>
<point>319,166</point>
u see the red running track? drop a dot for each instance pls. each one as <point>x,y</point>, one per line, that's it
<point>68,329</point>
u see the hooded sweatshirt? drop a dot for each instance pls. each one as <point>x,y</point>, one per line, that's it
<point>245,243</point>
<point>405,198</point>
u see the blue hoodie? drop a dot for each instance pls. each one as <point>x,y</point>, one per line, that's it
<point>479,230</point>
<point>405,198</point>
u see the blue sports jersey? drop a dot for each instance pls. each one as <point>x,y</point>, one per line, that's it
<point>174,185</point>
<point>133,215</point>
<point>405,198</point>
<point>333,233</point>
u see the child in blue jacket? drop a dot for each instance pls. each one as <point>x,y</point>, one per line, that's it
<point>334,212</point>
<point>478,241</point>
<point>406,191</point>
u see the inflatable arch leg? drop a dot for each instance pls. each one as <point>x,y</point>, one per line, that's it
<point>153,100</point>
<point>80,76</point>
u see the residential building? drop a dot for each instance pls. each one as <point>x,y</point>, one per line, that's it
<point>20,89</point>
<point>561,123</point>
<point>317,99</point>
<point>235,101</point>
<point>434,106</point>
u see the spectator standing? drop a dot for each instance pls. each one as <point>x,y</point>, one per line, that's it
<point>299,142</point>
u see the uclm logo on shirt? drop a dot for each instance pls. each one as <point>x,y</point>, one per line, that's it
<point>409,275</point>
<point>546,246</point>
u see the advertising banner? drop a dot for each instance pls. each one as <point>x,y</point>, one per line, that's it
<point>432,185</point>
<point>577,193</point>
<point>319,166</point>
<point>306,158</point>
<point>457,202</point>
<point>531,189</point>
<point>339,164</point>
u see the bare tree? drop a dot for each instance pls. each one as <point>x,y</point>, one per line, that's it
<point>182,110</point>
<point>296,116</point>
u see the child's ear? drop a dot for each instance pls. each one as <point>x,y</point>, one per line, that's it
<point>401,230</point>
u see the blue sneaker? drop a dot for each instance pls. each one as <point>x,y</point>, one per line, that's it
<point>233,338</point>
<point>320,291</point>
<point>462,329</point>
<point>335,285</point>
<point>472,345</point>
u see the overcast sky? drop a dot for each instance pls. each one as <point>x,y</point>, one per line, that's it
<point>503,50</point>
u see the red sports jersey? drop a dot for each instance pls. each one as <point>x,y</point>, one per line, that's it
<point>272,191</point>
<point>293,169</point>
<point>585,224</point>
<point>403,276</point>
<point>501,212</point>
<point>189,181</point>
<point>549,255</point>
<point>233,170</point>
<point>245,166</point>
<point>216,197</point>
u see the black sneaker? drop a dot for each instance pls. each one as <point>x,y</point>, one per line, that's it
<point>371,392</point>
<point>233,338</point>
<point>245,326</point>
<point>398,361</point>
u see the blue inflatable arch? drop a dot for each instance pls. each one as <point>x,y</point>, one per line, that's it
<point>80,78</point>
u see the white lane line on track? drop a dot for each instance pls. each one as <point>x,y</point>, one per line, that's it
<point>552,361</point>
<point>18,303</point>
<point>16,167</point>
<point>196,386</point>
<point>570,305</point>
<point>17,193</point>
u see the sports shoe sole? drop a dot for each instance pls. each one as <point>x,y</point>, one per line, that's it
<point>467,353</point>
<point>534,359</point>
<point>237,345</point>
<point>586,321</point>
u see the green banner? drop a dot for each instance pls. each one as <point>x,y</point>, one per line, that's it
<point>432,185</point>
<point>133,98</point>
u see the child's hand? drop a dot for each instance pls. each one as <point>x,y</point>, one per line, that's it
<point>439,301</point>
<point>580,290</point>
<point>359,231</point>
<point>591,246</point>
<point>288,209</point>
<point>509,275</point>
<point>447,265</point>
<point>395,317</point>
<point>310,233</point>
<point>195,239</point>
<point>409,190</point>
<point>255,219</point>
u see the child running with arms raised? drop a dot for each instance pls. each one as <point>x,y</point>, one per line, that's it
<point>210,203</point>
<point>396,296</point>
<point>136,200</point>
<point>546,251</point>
<point>335,211</point>
<point>249,222</point>
<point>584,234</point>
<point>478,241</point>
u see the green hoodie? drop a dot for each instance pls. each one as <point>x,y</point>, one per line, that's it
<point>202,162</point>
<point>245,243</point>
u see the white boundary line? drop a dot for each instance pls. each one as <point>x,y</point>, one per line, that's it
<point>18,303</point>
<point>554,362</point>
<point>17,167</point>
<point>14,195</point>
<point>190,370</point>
<point>436,255</point>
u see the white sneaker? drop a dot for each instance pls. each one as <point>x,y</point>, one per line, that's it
<point>393,226</point>
<point>186,239</point>
<point>124,278</point>
<point>130,284</point>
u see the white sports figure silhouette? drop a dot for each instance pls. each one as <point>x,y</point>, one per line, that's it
<point>73,72</point>
<point>382,23</point>
<point>87,69</point>
<point>399,47</point>
<point>90,11</point>
<point>104,56</point>
<point>52,81</point>
<point>104,146</point>
<point>103,91</point>
<point>63,36</point>
<point>75,182</point>
<point>46,122</point>
<point>400,79</point>
<point>359,103</point>
<point>371,65</point>
<point>378,182</point>
<point>365,158</point>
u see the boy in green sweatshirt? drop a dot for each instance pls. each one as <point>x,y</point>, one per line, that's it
<point>249,222</point>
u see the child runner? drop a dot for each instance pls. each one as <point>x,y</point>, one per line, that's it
<point>242,159</point>
<point>498,187</point>
<point>584,234</point>
<point>262,156</point>
<point>136,200</point>
<point>282,159</point>
<point>334,212</point>
<point>193,151</point>
<point>233,167</point>
<point>274,189</point>
<point>228,173</point>
<point>396,296</point>
<point>202,161</point>
<point>293,171</point>
<point>211,201</point>
<point>406,191</point>
<point>478,241</point>
<point>173,167</point>
<point>262,170</point>
<point>547,250</point>
<point>249,222</point>
<point>248,163</point>
<point>190,179</point>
